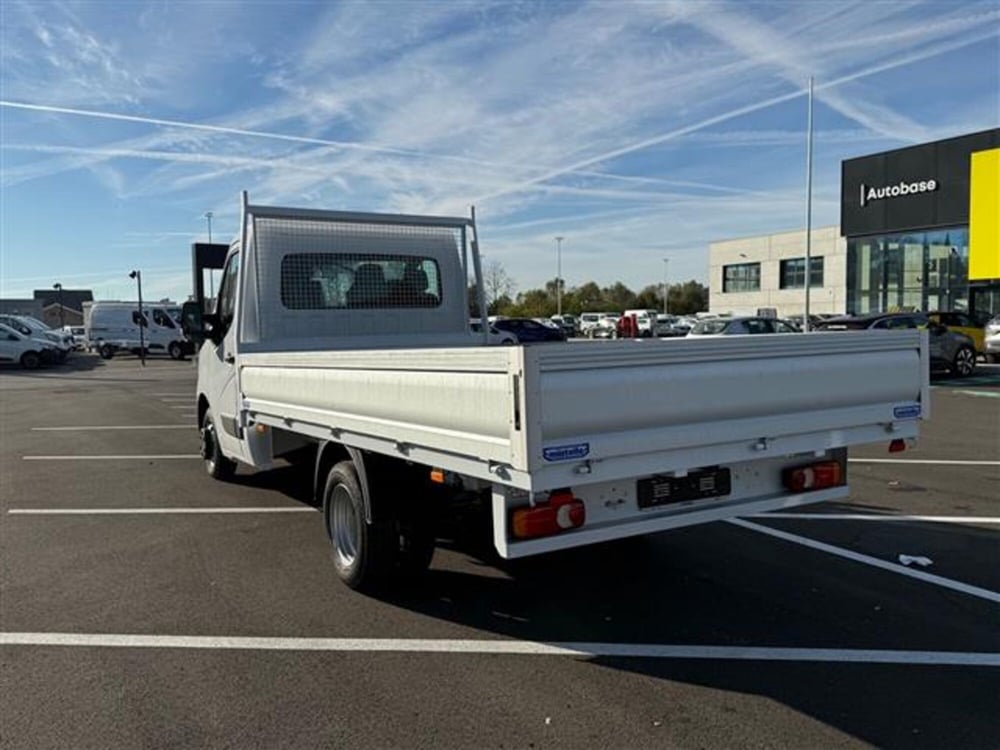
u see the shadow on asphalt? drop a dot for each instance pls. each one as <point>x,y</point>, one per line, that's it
<point>76,362</point>
<point>718,585</point>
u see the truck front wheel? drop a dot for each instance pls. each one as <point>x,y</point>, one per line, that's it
<point>216,464</point>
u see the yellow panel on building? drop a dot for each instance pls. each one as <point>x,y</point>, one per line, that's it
<point>984,216</point>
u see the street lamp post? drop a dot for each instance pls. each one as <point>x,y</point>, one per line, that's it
<point>559,241</point>
<point>62,312</point>
<point>666,287</point>
<point>211,285</point>
<point>809,182</point>
<point>137,275</point>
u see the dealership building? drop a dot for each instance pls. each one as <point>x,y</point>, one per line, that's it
<point>919,230</point>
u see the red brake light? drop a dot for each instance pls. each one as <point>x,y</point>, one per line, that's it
<point>816,476</point>
<point>897,445</point>
<point>561,512</point>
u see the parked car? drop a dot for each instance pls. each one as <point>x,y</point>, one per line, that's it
<point>78,335</point>
<point>567,322</point>
<point>738,326</point>
<point>495,336</point>
<point>36,329</point>
<point>799,320</point>
<point>963,323</point>
<point>949,350</point>
<point>991,340</point>
<point>528,330</point>
<point>645,322</point>
<point>30,353</point>
<point>670,326</point>
<point>606,328</point>
<point>589,321</point>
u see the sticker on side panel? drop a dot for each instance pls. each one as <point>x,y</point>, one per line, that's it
<point>566,452</point>
<point>910,411</point>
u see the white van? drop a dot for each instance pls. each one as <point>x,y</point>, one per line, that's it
<point>112,326</point>
<point>29,352</point>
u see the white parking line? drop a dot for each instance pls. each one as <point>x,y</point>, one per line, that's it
<point>872,517</point>
<point>933,462</point>
<point>153,511</point>
<point>188,395</point>
<point>506,647</point>
<point>114,427</point>
<point>185,399</point>
<point>965,588</point>
<point>189,407</point>
<point>111,458</point>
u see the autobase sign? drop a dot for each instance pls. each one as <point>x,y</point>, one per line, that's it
<point>870,193</point>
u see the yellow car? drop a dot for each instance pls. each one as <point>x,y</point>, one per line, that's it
<point>963,323</point>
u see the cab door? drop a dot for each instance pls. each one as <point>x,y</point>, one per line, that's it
<point>217,364</point>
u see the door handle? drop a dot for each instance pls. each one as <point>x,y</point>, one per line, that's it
<point>229,358</point>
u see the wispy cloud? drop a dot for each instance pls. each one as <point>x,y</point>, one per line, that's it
<point>625,122</point>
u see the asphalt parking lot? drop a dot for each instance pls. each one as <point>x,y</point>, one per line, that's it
<point>144,605</point>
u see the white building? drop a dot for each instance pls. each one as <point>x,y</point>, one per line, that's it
<point>751,273</point>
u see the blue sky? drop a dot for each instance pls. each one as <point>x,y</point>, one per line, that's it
<point>637,131</point>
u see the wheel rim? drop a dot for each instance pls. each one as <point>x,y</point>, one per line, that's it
<point>963,362</point>
<point>345,526</point>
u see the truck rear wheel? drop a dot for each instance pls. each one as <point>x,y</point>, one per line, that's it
<point>175,350</point>
<point>216,464</point>
<point>371,557</point>
<point>106,351</point>
<point>363,554</point>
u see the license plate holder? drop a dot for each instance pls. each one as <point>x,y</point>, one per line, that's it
<point>661,489</point>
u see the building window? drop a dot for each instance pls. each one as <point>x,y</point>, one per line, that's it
<point>742,277</point>
<point>793,273</point>
<point>909,272</point>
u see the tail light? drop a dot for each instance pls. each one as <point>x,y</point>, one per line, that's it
<point>816,476</point>
<point>560,513</point>
<point>897,445</point>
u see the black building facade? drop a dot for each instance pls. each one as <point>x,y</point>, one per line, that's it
<point>905,217</point>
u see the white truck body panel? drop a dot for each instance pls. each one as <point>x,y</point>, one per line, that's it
<point>624,408</point>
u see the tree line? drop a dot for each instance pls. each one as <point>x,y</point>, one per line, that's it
<point>503,299</point>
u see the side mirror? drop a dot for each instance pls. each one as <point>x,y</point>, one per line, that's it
<point>197,325</point>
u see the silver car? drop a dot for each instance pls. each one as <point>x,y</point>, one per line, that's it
<point>991,344</point>
<point>737,326</point>
<point>949,350</point>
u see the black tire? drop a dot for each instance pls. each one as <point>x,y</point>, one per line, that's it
<point>175,350</point>
<point>964,363</point>
<point>106,351</point>
<point>216,464</point>
<point>365,555</point>
<point>31,360</point>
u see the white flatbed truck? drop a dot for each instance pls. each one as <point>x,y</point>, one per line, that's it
<point>344,337</point>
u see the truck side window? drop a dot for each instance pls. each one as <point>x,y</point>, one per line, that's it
<point>139,320</point>
<point>226,306</point>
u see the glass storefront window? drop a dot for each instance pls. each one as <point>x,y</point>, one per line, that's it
<point>913,271</point>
